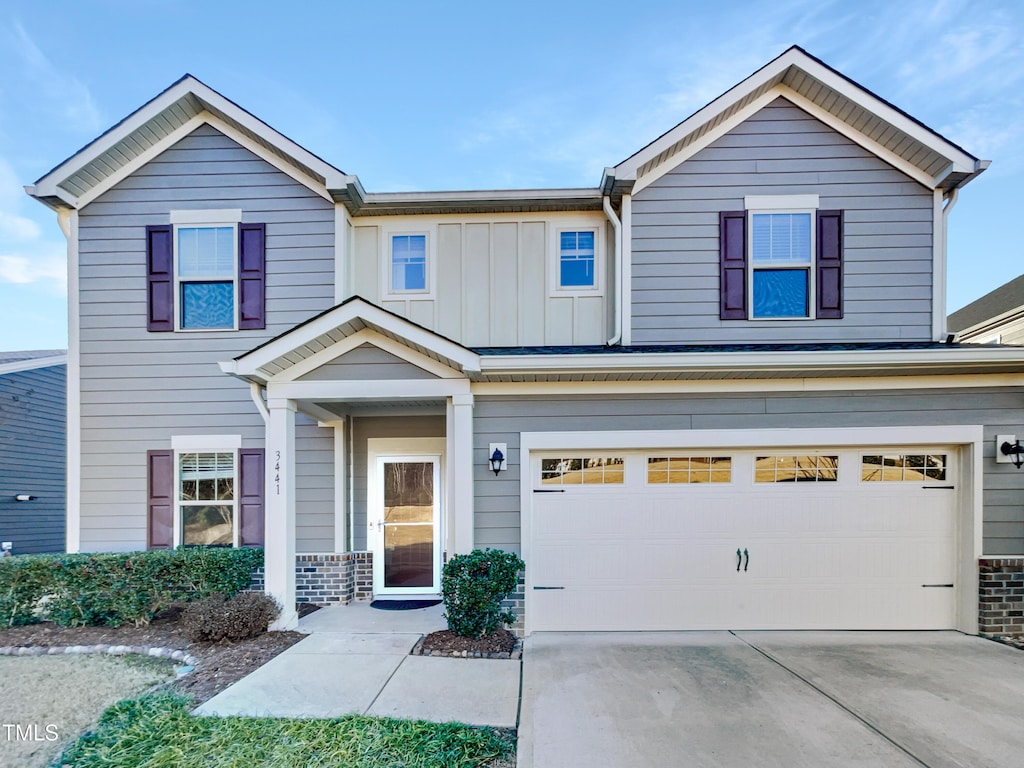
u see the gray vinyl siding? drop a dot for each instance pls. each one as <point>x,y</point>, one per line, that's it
<point>368,427</point>
<point>140,388</point>
<point>367,362</point>
<point>33,441</point>
<point>782,150</point>
<point>502,419</point>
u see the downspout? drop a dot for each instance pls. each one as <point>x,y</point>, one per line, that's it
<point>256,393</point>
<point>349,426</point>
<point>617,225</point>
<point>950,202</point>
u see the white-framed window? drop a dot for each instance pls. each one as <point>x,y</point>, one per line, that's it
<point>904,468</point>
<point>206,269</point>
<point>780,276</point>
<point>206,498</point>
<point>408,263</point>
<point>796,469</point>
<point>577,259</point>
<point>686,470</point>
<point>582,470</point>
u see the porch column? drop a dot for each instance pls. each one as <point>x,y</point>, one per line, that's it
<point>279,549</point>
<point>460,474</point>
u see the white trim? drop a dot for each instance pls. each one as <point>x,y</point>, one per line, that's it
<point>206,443</point>
<point>791,58</point>
<point>340,484</point>
<point>389,447</point>
<point>177,302</point>
<point>461,496</point>
<point>354,309</point>
<point>893,359</point>
<point>342,253</point>
<point>366,336</point>
<point>970,437</point>
<point>380,389</point>
<point>555,231</point>
<point>780,203</point>
<point>223,216</point>
<point>626,214</point>
<point>388,233</point>
<point>279,510</point>
<point>682,386</point>
<point>940,240</point>
<point>68,221</point>
<point>33,363</point>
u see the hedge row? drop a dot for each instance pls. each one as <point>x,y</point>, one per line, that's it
<point>114,589</point>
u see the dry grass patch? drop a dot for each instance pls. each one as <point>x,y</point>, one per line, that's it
<point>55,698</point>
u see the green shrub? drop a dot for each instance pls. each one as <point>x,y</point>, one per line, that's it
<point>473,587</point>
<point>215,618</point>
<point>116,588</point>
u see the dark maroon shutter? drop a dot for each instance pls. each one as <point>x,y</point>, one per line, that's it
<point>830,265</point>
<point>160,277</point>
<point>252,280</point>
<point>160,493</point>
<point>732,251</point>
<point>250,497</point>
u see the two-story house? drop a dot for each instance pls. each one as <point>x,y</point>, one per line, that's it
<point>714,391</point>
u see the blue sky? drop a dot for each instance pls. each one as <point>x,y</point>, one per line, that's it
<point>414,96</point>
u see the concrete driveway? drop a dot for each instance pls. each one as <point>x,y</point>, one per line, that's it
<point>770,699</point>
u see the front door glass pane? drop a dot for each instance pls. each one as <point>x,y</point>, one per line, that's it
<point>409,524</point>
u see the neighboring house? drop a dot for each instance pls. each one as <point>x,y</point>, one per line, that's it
<point>717,381</point>
<point>33,445</point>
<point>995,318</point>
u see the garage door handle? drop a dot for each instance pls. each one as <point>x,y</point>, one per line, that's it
<point>938,487</point>
<point>947,586</point>
<point>549,490</point>
<point>739,560</point>
<point>746,555</point>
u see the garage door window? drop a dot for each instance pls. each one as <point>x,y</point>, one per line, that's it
<point>796,469</point>
<point>578,470</point>
<point>904,467</point>
<point>689,469</point>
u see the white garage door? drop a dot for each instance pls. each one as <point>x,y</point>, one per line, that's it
<point>762,539</point>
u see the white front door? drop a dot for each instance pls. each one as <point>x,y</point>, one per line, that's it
<point>405,520</point>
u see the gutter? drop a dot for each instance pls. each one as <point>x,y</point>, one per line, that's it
<point>617,323</point>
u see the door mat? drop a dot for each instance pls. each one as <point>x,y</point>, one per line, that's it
<point>402,605</point>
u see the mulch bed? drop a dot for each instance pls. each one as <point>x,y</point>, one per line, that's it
<point>501,644</point>
<point>219,664</point>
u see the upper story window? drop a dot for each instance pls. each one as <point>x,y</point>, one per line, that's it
<point>781,248</point>
<point>781,258</point>
<point>206,276</point>
<point>408,264</point>
<point>206,270</point>
<point>576,259</point>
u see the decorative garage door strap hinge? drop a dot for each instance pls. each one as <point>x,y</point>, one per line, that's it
<point>938,487</point>
<point>549,587</point>
<point>948,586</point>
<point>549,490</point>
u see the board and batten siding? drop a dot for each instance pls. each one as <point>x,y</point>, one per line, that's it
<point>782,150</point>
<point>502,419</point>
<point>140,388</point>
<point>33,440</point>
<point>492,278</point>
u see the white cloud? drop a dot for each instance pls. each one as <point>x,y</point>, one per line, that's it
<point>23,270</point>
<point>60,94</point>
<point>17,228</point>
<point>26,256</point>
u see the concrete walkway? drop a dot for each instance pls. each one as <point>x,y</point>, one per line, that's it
<point>792,699</point>
<point>356,661</point>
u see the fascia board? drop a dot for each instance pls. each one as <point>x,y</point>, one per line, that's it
<point>48,185</point>
<point>765,361</point>
<point>248,365</point>
<point>961,160</point>
<point>33,363</point>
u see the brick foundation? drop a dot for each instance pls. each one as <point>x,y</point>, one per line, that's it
<point>1001,597</point>
<point>328,579</point>
<point>517,602</point>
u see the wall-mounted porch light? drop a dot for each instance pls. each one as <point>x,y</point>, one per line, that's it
<point>496,453</point>
<point>1014,450</point>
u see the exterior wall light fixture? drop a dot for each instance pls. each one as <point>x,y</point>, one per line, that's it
<point>496,456</point>
<point>1014,450</point>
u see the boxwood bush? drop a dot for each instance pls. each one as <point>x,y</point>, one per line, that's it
<point>213,618</point>
<point>473,587</point>
<point>117,588</point>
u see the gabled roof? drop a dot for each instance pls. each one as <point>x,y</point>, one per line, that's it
<point>345,320</point>
<point>1005,299</point>
<point>830,96</point>
<point>160,122</point>
<point>12,362</point>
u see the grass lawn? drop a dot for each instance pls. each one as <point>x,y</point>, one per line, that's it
<point>55,698</point>
<point>157,731</point>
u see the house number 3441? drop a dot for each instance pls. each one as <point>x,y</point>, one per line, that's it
<point>277,471</point>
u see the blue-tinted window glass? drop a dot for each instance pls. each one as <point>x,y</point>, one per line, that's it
<point>576,260</point>
<point>207,305</point>
<point>781,237</point>
<point>780,293</point>
<point>409,263</point>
